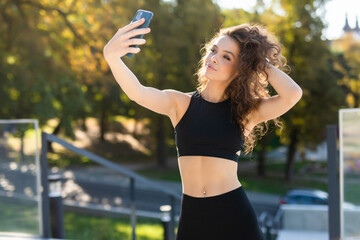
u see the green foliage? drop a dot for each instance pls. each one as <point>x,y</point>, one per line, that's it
<point>35,81</point>
<point>58,70</point>
<point>310,59</point>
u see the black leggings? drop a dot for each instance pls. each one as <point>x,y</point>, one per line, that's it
<point>228,216</point>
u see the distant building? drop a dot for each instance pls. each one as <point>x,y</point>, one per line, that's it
<point>354,31</point>
<point>349,35</point>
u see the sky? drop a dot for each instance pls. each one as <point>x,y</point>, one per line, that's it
<point>334,15</point>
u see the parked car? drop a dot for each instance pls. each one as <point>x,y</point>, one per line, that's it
<point>305,196</point>
<point>301,221</point>
<point>303,214</point>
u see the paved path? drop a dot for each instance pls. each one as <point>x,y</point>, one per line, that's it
<point>103,186</point>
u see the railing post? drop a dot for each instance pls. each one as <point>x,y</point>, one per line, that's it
<point>268,226</point>
<point>172,217</point>
<point>266,223</point>
<point>133,209</point>
<point>45,190</point>
<point>165,219</point>
<point>56,206</point>
<point>333,183</point>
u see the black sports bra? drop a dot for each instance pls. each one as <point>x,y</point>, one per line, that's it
<point>206,130</point>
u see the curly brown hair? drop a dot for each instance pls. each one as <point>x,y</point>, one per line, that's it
<point>258,48</point>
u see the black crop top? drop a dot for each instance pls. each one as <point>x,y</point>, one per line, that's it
<point>206,130</point>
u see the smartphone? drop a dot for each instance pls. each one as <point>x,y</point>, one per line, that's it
<point>141,14</point>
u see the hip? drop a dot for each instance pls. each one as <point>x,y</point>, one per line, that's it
<point>227,216</point>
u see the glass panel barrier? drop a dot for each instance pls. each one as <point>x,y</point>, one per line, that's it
<point>20,195</point>
<point>349,173</point>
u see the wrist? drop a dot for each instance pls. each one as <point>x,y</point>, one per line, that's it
<point>111,58</point>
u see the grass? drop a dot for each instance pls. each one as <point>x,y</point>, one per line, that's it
<point>18,216</point>
<point>22,217</point>
<point>80,226</point>
<point>277,185</point>
<point>352,192</point>
<point>172,174</point>
<point>298,166</point>
<point>66,158</point>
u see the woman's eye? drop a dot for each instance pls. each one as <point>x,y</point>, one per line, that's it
<point>226,57</point>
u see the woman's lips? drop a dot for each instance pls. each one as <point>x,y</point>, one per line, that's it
<point>210,67</point>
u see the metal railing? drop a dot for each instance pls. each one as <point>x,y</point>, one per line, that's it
<point>134,177</point>
<point>266,221</point>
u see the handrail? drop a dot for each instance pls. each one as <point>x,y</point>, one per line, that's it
<point>117,168</point>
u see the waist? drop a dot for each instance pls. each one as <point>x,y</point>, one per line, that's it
<point>211,175</point>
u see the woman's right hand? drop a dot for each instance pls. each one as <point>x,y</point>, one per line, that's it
<point>120,43</point>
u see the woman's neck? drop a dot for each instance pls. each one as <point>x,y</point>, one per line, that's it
<point>213,93</point>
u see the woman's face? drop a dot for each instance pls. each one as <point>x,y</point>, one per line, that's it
<point>221,61</point>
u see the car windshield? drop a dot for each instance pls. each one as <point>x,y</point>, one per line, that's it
<point>307,199</point>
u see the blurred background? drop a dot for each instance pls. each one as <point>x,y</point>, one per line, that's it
<point>52,69</point>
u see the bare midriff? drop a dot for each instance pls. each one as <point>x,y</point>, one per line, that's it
<point>204,176</point>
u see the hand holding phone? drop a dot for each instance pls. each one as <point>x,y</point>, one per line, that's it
<point>141,14</point>
<point>127,39</point>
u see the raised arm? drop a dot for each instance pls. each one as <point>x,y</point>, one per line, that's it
<point>289,93</point>
<point>160,101</point>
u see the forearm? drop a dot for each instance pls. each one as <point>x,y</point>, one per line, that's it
<point>284,85</point>
<point>124,77</point>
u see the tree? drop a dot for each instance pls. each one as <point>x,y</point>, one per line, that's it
<point>311,61</point>
<point>299,29</point>
<point>170,57</point>
<point>346,52</point>
<point>33,83</point>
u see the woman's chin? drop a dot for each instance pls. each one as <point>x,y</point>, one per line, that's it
<point>211,77</point>
<point>208,75</point>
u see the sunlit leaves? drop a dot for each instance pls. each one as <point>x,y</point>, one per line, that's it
<point>11,59</point>
<point>347,63</point>
<point>13,94</point>
<point>299,28</point>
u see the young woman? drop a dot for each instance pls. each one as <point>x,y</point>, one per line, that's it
<point>214,122</point>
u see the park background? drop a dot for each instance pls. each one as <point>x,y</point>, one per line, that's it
<point>52,69</point>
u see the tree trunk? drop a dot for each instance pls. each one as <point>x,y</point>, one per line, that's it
<point>103,124</point>
<point>262,159</point>
<point>356,100</point>
<point>160,143</point>
<point>289,171</point>
<point>22,155</point>
<point>55,132</point>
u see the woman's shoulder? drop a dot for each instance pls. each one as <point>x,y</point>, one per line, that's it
<point>180,96</point>
<point>182,99</point>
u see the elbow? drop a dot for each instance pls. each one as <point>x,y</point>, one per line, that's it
<point>297,95</point>
<point>300,93</point>
<point>135,96</point>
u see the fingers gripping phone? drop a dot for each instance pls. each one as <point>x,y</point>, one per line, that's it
<point>141,14</point>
